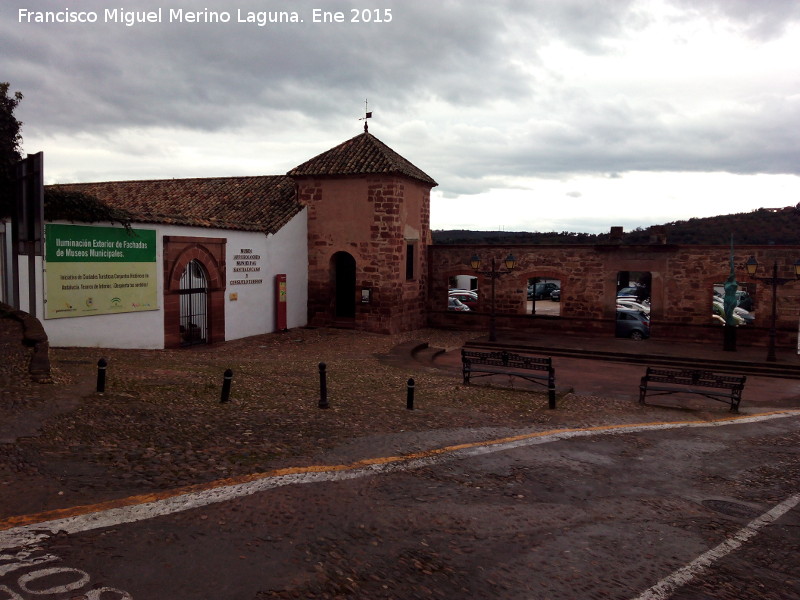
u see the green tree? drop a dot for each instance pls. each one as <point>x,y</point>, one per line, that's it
<point>10,139</point>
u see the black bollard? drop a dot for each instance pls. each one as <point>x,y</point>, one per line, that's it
<point>226,386</point>
<point>323,387</point>
<point>101,375</point>
<point>410,396</point>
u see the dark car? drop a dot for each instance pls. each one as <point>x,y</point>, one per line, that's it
<point>555,295</point>
<point>744,300</point>
<point>540,291</point>
<point>633,324</point>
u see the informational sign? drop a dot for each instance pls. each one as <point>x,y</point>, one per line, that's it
<point>246,263</point>
<point>99,270</point>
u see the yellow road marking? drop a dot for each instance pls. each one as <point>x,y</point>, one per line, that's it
<point>76,511</point>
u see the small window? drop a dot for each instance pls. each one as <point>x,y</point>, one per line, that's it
<point>410,260</point>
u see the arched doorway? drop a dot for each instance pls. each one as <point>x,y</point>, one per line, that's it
<point>193,304</point>
<point>194,291</point>
<point>343,269</point>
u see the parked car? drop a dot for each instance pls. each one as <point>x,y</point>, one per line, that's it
<point>633,294</point>
<point>456,305</point>
<point>468,298</point>
<point>633,324</point>
<point>718,309</point>
<point>541,290</point>
<point>743,299</point>
<point>555,295</point>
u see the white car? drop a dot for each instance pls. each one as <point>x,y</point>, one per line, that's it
<point>740,315</point>
<point>460,291</point>
<point>630,305</point>
<point>455,304</point>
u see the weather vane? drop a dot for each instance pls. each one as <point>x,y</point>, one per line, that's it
<point>368,115</point>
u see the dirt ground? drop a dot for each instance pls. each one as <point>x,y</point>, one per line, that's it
<point>160,422</point>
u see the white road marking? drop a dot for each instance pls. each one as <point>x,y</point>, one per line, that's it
<point>664,588</point>
<point>89,519</point>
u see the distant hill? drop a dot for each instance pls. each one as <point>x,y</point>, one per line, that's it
<point>762,226</point>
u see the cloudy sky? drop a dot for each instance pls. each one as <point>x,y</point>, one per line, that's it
<point>531,114</point>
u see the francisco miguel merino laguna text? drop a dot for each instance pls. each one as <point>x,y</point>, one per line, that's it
<point>180,15</point>
<point>174,15</point>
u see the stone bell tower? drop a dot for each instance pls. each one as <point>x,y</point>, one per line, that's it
<point>368,233</point>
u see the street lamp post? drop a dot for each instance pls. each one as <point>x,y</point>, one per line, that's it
<point>475,263</point>
<point>752,266</point>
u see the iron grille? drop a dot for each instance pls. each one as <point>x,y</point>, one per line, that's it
<point>194,305</point>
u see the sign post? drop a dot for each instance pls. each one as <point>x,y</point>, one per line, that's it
<point>28,223</point>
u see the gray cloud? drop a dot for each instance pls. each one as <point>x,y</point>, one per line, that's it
<point>466,89</point>
<point>761,20</point>
<point>213,76</point>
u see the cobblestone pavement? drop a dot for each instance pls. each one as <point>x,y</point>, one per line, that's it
<point>160,423</point>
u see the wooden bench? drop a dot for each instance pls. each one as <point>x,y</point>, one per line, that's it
<point>724,388</point>
<point>504,362</point>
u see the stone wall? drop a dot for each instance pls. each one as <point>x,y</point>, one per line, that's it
<point>683,278</point>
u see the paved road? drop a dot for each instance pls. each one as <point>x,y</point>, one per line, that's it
<point>696,511</point>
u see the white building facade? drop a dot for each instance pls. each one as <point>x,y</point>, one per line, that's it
<point>250,299</point>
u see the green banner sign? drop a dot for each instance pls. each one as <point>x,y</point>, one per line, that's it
<point>77,243</point>
<point>99,270</point>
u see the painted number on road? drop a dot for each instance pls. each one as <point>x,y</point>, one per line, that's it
<point>50,581</point>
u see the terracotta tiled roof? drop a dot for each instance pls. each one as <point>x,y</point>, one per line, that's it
<point>361,155</point>
<point>244,203</point>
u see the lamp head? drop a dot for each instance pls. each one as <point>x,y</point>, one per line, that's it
<point>511,262</point>
<point>751,265</point>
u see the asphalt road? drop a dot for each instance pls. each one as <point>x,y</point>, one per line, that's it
<point>595,513</point>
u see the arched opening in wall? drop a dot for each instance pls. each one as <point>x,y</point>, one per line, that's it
<point>462,293</point>
<point>193,294</point>
<point>743,307</point>
<point>633,304</point>
<point>343,269</point>
<point>543,296</point>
